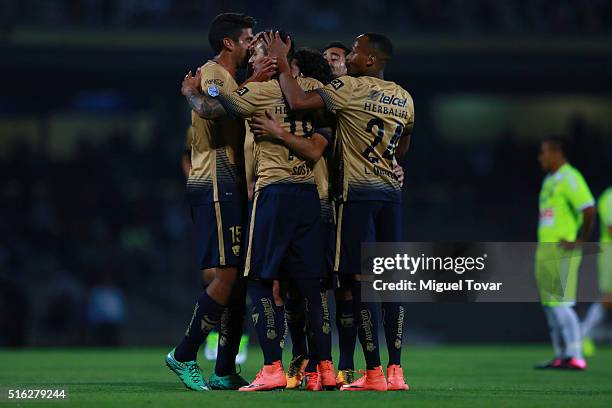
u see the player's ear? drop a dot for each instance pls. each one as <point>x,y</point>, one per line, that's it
<point>228,44</point>
<point>371,60</point>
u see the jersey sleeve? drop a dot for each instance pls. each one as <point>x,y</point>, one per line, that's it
<point>337,94</point>
<point>243,102</point>
<point>215,76</point>
<point>577,191</point>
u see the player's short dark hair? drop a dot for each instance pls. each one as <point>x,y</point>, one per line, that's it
<point>557,143</point>
<point>381,44</point>
<point>313,65</point>
<point>337,44</point>
<point>228,25</point>
<point>283,35</point>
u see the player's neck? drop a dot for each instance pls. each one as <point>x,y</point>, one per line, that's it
<point>380,74</point>
<point>225,60</point>
<point>555,167</point>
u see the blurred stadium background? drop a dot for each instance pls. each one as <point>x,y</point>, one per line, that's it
<point>95,235</point>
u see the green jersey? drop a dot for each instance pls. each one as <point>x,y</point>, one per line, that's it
<point>564,196</point>
<point>605,215</point>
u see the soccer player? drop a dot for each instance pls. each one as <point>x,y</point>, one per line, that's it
<point>598,311</point>
<point>215,190</point>
<point>335,53</point>
<point>212,340</point>
<point>285,231</point>
<point>567,217</point>
<point>307,62</point>
<point>374,118</point>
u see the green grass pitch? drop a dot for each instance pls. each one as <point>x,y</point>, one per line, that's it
<point>442,376</point>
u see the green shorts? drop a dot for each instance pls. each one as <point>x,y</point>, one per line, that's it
<point>556,272</point>
<point>605,268</point>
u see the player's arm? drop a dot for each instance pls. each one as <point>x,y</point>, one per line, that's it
<point>205,106</point>
<point>607,214</point>
<point>404,142</point>
<point>310,148</point>
<point>589,215</point>
<point>579,195</point>
<point>296,98</point>
<point>588,225</point>
<point>398,171</point>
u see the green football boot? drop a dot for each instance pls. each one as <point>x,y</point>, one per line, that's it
<point>227,382</point>
<point>188,372</point>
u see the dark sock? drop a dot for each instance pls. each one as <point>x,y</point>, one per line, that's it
<point>296,323</point>
<point>393,322</point>
<point>268,319</point>
<point>230,331</point>
<point>206,315</point>
<point>347,333</point>
<point>366,318</point>
<point>317,315</point>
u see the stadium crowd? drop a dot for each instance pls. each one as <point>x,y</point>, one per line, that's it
<point>426,16</point>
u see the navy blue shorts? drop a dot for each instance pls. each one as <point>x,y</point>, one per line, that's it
<point>218,233</point>
<point>364,221</point>
<point>285,234</point>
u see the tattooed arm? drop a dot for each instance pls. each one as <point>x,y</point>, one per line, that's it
<point>205,106</point>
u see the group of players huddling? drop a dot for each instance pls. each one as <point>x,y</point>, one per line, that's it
<point>290,172</point>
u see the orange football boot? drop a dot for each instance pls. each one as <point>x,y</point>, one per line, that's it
<point>295,372</point>
<point>270,377</point>
<point>327,378</point>
<point>372,380</point>
<point>395,378</point>
<point>313,381</point>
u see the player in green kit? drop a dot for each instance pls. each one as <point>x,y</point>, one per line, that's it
<point>598,311</point>
<point>567,217</point>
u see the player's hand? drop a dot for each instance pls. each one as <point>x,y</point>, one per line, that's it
<point>266,126</point>
<point>399,173</point>
<point>569,245</point>
<point>191,83</point>
<point>277,48</point>
<point>264,70</point>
